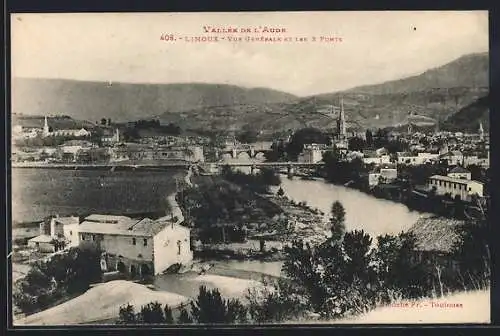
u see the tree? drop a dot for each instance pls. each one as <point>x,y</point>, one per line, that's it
<point>305,136</point>
<point>247,136</point>
<point>369,138</point>
<point>152,313</point>
<point>236,312</point>
<point>337,221</point>
<point>169,318</point>
<point>303,264</point>
<point>280,192</point>
<point>472,251</point>
<point>68,273</point>
<point>356,246</point>
<point>103,121</point>
<point>356,144</point>
<point>184,317</point>
<point>127,315</point>
<point>210,307</point>
<point>276,305</point>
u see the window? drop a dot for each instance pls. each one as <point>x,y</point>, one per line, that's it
<point>145,242</point>
<point>93,237</point>
<point>133,241</point>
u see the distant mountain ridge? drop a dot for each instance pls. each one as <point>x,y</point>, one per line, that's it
<point>437,93</point>
<point>125,101</point>
<point>467,71</point>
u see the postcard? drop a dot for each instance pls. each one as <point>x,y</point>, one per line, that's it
<point>250,168</point>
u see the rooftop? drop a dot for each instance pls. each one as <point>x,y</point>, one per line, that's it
<point>67,220</point>
<point>150,227</point>
<point>458,170</point>
<point>121,228</point>
<point>451,179</point>
<point>436,233</point>
<point>42,239</point>
<point>106,218</point>
<point>144,228</point>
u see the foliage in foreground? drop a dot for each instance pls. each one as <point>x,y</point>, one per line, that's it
<point>349,274</point>
<point>209,307</point>
<point>67,273</point>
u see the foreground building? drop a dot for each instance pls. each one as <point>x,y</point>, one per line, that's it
<point>136,247</point>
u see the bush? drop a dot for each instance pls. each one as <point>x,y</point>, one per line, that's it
<point>275,304</point>
<point>64,274</point>
<point>184,317</point>
<point>210,307</point>
<point>127,315</point>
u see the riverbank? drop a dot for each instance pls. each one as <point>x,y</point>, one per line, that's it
<point>374,216</point>
<point>265,232</point>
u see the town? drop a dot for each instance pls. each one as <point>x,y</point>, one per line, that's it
<point>298,182</point>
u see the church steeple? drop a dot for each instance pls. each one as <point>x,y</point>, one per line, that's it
<point>481,131</point>
<point>45,127</point>
<point>341,120</point>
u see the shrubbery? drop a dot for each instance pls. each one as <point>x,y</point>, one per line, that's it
<point>64,274</point>
<point>349,274</point>
<point>209,307</point>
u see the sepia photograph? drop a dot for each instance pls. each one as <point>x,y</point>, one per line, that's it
<point>249,168</point>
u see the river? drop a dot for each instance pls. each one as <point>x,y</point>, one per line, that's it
<point>41,192</point>
<point>363,212</point>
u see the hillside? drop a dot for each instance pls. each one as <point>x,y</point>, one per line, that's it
<point>468,118</point>
<point>467,71</point>
<point>56,122</point>
<point>437,93</point>
<point>123,102</point>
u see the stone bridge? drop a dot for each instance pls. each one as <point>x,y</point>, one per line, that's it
<point>251,149</point>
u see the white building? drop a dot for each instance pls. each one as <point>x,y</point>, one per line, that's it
<point>382,175</point>
<point>455,187</point>
<point>111,138</point>
<point>453,158</point>
<point>56,235</point>
<point>377,159</point>
<point>137,247</point>
<point>459,173</point>
<point>419,159</point>
<point>82,132</point>
<point>311,154</point>
<point>19,132</point>
<point>195,154</point>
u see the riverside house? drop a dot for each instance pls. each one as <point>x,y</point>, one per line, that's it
<point>139,248</point>
<point>457,188</point>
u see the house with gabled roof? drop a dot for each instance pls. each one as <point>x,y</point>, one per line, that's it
<point>139,248</point>
<point>459,172</point>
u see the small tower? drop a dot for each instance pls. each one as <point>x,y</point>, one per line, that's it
<point>410,125</point>
<point>481,131</point>
<point>341,121</point>
<point>45,128</point>
<point>117,135</point>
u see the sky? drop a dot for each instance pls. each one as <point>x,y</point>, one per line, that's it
<point>127,47</point>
